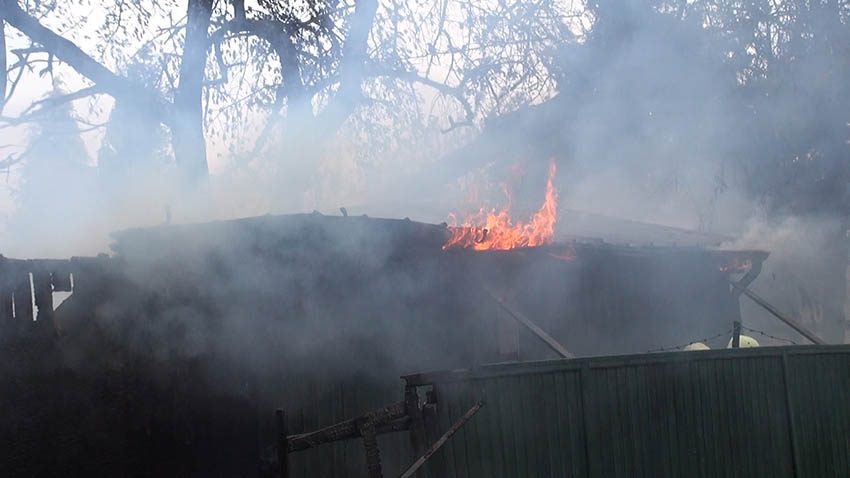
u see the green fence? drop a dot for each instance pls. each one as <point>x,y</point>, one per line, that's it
<point>778,412</point>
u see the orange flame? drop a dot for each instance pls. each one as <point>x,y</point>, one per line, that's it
<point>736,265</point>
<point>499,233</point>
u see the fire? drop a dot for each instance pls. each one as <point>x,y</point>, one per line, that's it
<point>495,230</point>
<point>737,265</point>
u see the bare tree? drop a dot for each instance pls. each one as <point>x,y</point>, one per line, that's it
<point>306,67</point>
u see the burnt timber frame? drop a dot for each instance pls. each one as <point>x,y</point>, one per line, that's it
<point>389,419</point>
<point>798,327</point>
<point>24,282</point>
<point>401,416</point>
<point>740,288</point>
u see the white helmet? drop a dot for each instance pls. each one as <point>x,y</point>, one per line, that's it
<point>744,342</point>
<point>696,346</point>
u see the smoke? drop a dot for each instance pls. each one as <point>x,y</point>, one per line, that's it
<point>804,276</point>
<point>668,128</point>
<point>648,118</point>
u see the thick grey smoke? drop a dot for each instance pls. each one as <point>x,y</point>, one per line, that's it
<point>668,116</point>
<point>691,124</point>
<point>652,118</point>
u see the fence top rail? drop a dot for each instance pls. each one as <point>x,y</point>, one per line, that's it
<point>560,365</point>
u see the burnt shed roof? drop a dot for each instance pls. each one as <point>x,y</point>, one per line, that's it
<point>317,230</point>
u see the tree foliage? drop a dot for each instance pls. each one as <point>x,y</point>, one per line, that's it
<point>790,62</point>
<point>282,79</point>
<point>758,85</point>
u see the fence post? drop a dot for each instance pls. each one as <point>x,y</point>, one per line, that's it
<point>373,454</point>
<point>43,293</point>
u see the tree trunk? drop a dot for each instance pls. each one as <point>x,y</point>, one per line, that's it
<point>4,76</point>
<point>352,67</point>
<point>239,10</point>
<point>188,126</point>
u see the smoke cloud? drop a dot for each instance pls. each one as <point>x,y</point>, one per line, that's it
<point>649,115</point>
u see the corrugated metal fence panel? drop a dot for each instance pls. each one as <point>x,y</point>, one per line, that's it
<point>531,425</point>
<point>706,414</point>
<point>819,391</point>
<point>699,418</point>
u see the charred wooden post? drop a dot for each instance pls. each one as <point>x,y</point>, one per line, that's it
<point>43,292</point>
<point>5,298</point>
<point>61,281</point>
<point>743,282</point>
<point>23,282</point>
<point>392,418</point>
<point>430,417</point>
<point>89,272</point>
<point>23,299</point>
<point>5,307</point>
<point>388,419</point>
<point>417,425</point>
<point>373,454</point>
<point>282,444</point>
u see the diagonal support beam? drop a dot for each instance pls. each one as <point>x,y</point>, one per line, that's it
<point>443,439</point>
<point>779,315</point>
<point>534,328</point>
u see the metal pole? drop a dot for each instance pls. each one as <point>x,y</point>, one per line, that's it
<point>736,335</point>
<point>779,315</point>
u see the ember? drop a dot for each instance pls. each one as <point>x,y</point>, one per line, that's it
<point>566,254</point>
<point>499,233</point>
<point>737,265</point>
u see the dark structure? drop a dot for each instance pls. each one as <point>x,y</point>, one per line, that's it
<point>172,355</point>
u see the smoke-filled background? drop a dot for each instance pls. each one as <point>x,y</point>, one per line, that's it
<point>730,118</point>
<point>696,124</point>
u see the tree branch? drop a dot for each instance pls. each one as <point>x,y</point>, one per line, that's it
<point>5,78</point>
<point>278,35</point>
<point>413,77</point>
<point>187,130</point>
<point>52,101</point>
<point>11,160</point>
<point>63,49</point>
<point>15,82</point>
<point>352,67</point>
